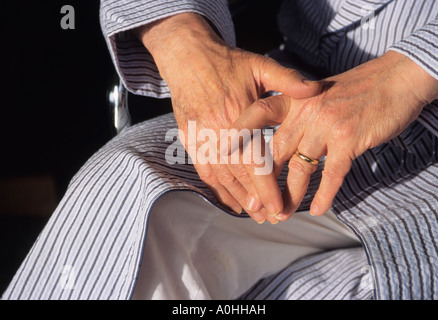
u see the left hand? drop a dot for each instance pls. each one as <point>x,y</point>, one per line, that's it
<point>358,110</point>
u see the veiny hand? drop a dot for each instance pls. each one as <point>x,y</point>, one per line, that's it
<point>212,84</point>
<point>357,110</point>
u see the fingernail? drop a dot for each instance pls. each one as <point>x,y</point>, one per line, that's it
<point>237,209</point>
<point>314,210</point>
<point>259,218</point>
<point>280,216</point>
<point>252,204</point>
<point>272,209</point>
<point>310,82</point>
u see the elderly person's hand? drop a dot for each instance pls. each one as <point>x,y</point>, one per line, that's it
<point>212,84</point>
<point>357,110</point>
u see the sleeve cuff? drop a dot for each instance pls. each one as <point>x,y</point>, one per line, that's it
<point>134,64</point>
<point>422,47</point>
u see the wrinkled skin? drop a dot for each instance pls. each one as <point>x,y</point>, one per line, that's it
<point>212,84</point>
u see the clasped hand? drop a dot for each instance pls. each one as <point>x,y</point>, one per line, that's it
<point>219,87</point>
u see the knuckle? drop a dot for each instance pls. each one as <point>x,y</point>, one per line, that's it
<point>227,180</point>
<point>333,176</point>
<point>208,177</point>
<point>279,146</point>
<point>329,173</point>
<point>263,61</point>
<point>343,131</point>
<point>297,168</point>
<point>231,109</point>
<point>256,160</point>
<point>241,173</point>
<point>293,73</point>
<point>276,151</point>
<point>254,166</point>
<point>300,168</point>
<point>264,106</point>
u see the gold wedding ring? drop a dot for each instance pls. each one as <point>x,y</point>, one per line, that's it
<point>307,159</point>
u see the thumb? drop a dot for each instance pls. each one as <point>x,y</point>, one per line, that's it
<point>274,77</point>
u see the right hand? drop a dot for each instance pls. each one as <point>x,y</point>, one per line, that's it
<point>212,84</point>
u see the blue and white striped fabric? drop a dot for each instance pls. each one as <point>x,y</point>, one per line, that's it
<point>135,66</point>
<point>307,279</point>
<point>389,199</point>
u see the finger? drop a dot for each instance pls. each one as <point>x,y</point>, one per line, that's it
<point>247,165</point>
<point>298,180</point>
<point>284,144</point>
<point>227,179</point>
<point>258,216</point>
<point>275,77</point>
<point>259,164</point>
<point>272,110</point>
<point>256,156</point>
<point>214,171</point>
<point>240,172</point>
<point>252,204</point>
<point>291,131</point>
<point>221,193</point>
<point>262,216</point>
<point>262,112</point>
<point>337,165</point>
<point>233,175</point>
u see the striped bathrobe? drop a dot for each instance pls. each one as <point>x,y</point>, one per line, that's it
<point>389,199</point>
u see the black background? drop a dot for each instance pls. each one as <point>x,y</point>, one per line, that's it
<point>54,112</point>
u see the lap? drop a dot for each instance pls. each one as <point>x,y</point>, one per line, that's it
<point>195,251</point>
<point>120,210</point>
